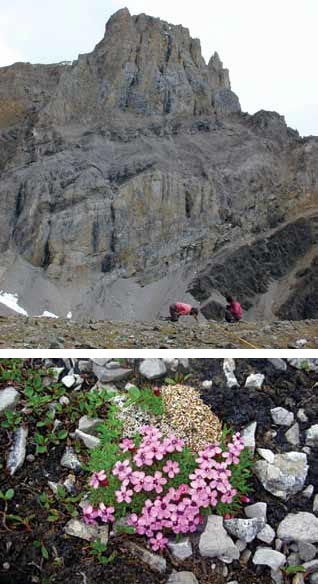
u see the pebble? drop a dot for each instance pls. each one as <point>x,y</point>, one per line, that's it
<point>216,543</point>
<point>301,343</point>
<point>255,381</point>
<point>181,549</point>
<point>282,417</point>
<point>6,566</point>
<point>113,365</point>
<point>267,534</point>
<point>307,551</point>
<point>292,435</point>
<point>207,384</point>
<point>182,578</point>
<point>70,460</point>
<point>154,561</point>
<point>89,425</point>
<point>315,504</point>
<point>229,368</point>
<point>89,440</point>
<point>268,557</point>
<point>246,556</point>
<point>301,415</point>
<point>308,492</point>
<point>69,381</point>
<point>244,529</point>
<point>30,458</point>
<point>107,375</point>
<point>312,436</point>
<point>248,435</point>
<point>301,526</point>
<point>9,397</point>
<point>79,529</point>
<point>266,454</point>
<point>256,510</point>
<point>278,364</point>
<point>299,579</point>
<point>152,368</point>
<point>64,400</point>
<point>17,451</point>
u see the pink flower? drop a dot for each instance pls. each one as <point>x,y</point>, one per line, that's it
<point>90,514</point>
<point>158,481</point>
<point>137,480</point>
<point>127,444</point>
<point>122,470</point>
<point>171,468</point>
<point>124,494</point>
<point>106,514</point>
<point>148,483</point>
<point>144,457</point>
<point>173,443</point>
<point>158,542</point>
<point>97,479</point>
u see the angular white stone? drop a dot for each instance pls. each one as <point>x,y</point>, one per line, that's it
<point>229,368</point>
<point>286,476</point>
<point>267,454</point>
<point>267,535</point>
<point>182,578</point>
<point>9,397</point>
<point>292,435</point>
<point>248,435</point>
<point>215,542</point>
<point>152,368</point>
<point>282,417</point>
<point>257,510</point>
<point>298,527</point>
<point>254,381</point>
<point>89,425</point>
<point>78,528</point>
<point>244,529</point>
<point>17,451</point>
<point>181,549</point>
<point>312,436</point>
<point>268,557</point>
<point>207,384</point>
<point>89,440</point>
<point>69,381</point>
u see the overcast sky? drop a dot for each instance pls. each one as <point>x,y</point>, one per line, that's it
<point>270,47</point>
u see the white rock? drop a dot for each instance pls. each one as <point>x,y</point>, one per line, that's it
<point>315,504</point>
<point>307,551</point>
<point>112,365</point>
<point>89,425</point>
<point>241,545</point>
<point>257,510</point>
<point>300,526</point>
<point>279,364</point>
<point>69,381</point>
<point>244,529</point>
<point>248,435</point>
<point>171,364</point>
<point>207,384</point>
<point>312,436</point>
<point>17,451</point>
<point>155,562</point>
<point>267,535</point>
<point>56,371</point>
<point>286,476</point>
<point>308,492</point>
<point>215,542</point>
<point>152,368</point>
<point>181,549</point>
<point>182,578</point>
<point>78,528</point>
<point>292,435</point>
<point>282,417</point>
<point>70,460</point>
<point>64,401</point>
<point>301,415</point>
<point>268,557</point>
<point>105,375</point>
<point>277,577</point>
<point>266,454</point>
<point>89,440</point>
<point>255,381</point>
<point>9,397</point>
<point>229,368</point>
<point>301,343</point>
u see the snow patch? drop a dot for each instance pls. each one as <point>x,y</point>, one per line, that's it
<point>11,300</point>
<point>48,314</point>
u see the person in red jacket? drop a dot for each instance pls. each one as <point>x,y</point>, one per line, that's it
<point>233,311</point>
<point>181,309</point>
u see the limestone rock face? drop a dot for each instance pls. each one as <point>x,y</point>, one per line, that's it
<point>134,162</point>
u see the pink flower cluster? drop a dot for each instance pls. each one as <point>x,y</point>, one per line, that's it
<point>177,510</point>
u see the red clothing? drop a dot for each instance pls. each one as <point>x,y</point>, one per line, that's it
<point>236,309</point>
<point>183,309</point>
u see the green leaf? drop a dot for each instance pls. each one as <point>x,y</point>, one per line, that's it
<point>170,381</point>
<point>61,491</point>
<point>62,435</point>
<point>294,569</point>
<point>41,449</point>
<point>44,552</point>
<point>9,494</point>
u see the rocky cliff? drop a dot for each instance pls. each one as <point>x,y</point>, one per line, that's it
<point>131,176</point>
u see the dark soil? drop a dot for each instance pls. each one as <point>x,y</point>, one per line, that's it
<point>236,408</point>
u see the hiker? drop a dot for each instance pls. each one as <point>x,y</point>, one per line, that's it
<point>180,309</point>
<point>233,311</point>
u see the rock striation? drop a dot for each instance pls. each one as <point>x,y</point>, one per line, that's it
<point>133,166</point>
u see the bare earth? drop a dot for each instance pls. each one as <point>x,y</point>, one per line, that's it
<point>46,333</point>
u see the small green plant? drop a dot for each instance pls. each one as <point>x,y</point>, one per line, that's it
<point>8,495</point>
<point>290,570</point>
<point>40,545</point>
<point>98,549</point>
<point>146,400</point>
<point>178,379</point>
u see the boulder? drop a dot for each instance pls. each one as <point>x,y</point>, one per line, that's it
<point>300,527</point>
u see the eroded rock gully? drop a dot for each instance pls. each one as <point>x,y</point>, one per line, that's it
<point>127,172</point>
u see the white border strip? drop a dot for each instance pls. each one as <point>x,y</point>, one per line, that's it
<point>160,353</point>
